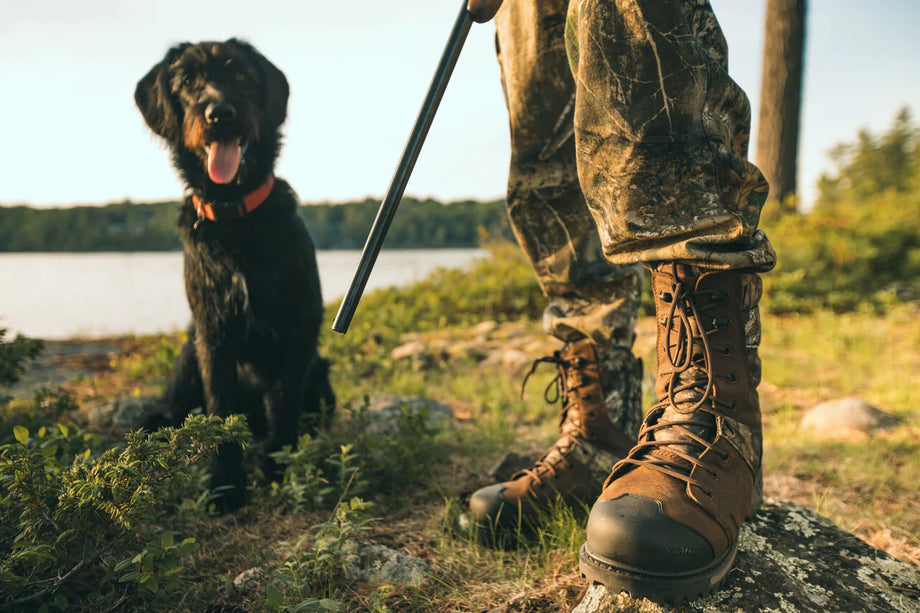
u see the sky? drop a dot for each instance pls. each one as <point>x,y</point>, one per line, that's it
<point>358,71</point>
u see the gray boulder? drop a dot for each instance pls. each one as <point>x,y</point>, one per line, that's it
<point>372,563</point>
<point>844,418</point>
<point>129,413</point>
<point>384,412</point>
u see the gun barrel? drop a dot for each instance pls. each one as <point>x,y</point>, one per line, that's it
<point>404,170</point>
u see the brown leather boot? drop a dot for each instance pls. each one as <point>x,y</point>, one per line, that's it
<point>666,525</point>
<point>601,398</point>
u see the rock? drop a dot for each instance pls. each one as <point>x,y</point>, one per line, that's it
<point>467,350</point>
<point>373,563</point>
<point>128,412</point>
<point>484,328</point>
<point>845,418</point>
<point>509,464</point>
<point>791,559</point>
<point>248,580</point>
<point>412,350</point>
<point>384,413</point>
<point>509,359</point>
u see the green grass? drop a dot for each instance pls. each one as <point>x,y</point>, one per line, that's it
<point>868,486</point>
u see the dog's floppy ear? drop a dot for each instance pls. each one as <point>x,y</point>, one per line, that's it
<point>275,85</point>
<point>154,98</point>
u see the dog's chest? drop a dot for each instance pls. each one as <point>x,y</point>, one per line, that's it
<point>225,280</point>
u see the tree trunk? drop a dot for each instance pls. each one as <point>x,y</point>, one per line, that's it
<point>781,99</point>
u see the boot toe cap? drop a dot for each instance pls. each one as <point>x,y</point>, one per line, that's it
<point>633,531</point>
<point>489,508</point>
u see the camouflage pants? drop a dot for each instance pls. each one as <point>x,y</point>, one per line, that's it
<point>629,145</point>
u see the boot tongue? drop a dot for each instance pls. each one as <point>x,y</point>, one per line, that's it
<point>223,161</point>
<point>706,429</point>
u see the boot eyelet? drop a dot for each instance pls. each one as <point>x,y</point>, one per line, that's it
<point>732,377</point>
<point>725,457</point>
<point>714,475</point>
<point>709,495</point>
<point>726,349</point>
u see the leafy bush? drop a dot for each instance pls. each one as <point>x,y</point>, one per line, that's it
<point>70,508</point>
<point>860,246</point>
<point>13,356</point>
<point>356,459</point>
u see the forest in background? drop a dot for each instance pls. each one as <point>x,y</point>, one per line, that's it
<point>132,226</point>
<point>858,247</point>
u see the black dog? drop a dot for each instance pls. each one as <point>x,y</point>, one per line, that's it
<point>250,265</point>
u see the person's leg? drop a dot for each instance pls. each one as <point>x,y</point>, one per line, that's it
<point>661,135</point>
<point>593,304</point>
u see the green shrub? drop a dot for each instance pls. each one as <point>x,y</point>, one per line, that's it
<point>74,515</point>
<point>860,246</point>
<point>356,459</point>
<point>13,356</point>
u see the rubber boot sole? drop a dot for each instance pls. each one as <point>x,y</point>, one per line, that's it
<point>667,587</point>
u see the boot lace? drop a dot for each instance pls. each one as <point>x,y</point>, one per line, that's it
<point>683,440</point>
<point>556,390</point>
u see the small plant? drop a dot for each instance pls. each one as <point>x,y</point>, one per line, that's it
<point>304,484</point>
<point>357,458</point>
<point>154,569</point>
<point>317,569</point>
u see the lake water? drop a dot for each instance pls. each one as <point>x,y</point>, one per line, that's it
<point>61,295</point>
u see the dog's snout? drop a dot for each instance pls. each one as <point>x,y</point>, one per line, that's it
<point>219,112</point>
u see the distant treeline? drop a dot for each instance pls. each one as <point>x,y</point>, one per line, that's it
<point>130,226</point>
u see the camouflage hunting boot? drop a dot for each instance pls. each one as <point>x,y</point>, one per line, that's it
<point>601,396</point>
<point>666,525</point>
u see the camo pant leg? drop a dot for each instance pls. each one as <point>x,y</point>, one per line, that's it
<point>589,297</point>
<point>661,133</point>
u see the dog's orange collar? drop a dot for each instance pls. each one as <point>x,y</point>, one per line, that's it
<point>212,211</point>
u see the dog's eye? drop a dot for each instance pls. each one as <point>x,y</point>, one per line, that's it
<point>241,78</point>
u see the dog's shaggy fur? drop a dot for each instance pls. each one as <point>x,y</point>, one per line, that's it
<point>250,275</point>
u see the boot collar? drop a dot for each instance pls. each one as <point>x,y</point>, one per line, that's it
<point>234,209</point>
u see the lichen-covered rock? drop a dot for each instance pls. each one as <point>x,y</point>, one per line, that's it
<point>373,563</point>
<point>131,413</point>
<point>415,350</point>
<point>385,411</point>
<point>249,579</point>
<point>792,560</point>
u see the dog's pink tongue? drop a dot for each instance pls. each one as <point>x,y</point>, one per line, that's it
<point>223,161</point>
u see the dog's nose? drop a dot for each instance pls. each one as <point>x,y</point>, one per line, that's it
<point>219,112</point>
